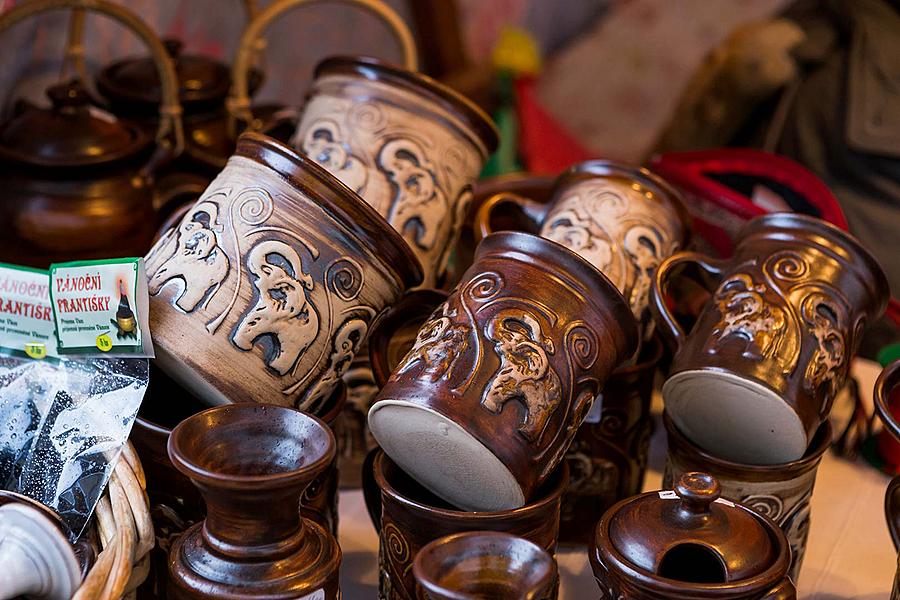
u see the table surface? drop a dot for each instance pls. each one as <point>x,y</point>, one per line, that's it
<point>849,554</point>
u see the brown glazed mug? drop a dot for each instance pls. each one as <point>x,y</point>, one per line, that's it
<point>689,544</point>
<point>484,564</point>
<point>486,403</point>
<point>887,383</point>
<point>623,220</point>
<point>267,286</point>
<point>410,146</point>
<point>407,517</point>
<point>252,462</point>
<point>608,458</point>
<point>780,492</point>
<point>758,373</point>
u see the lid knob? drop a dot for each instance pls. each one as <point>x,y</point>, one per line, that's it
<point>697,491</point>
<point>70,94</point>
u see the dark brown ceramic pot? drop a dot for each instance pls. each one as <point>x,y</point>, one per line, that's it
<point>758,373</point>
<point>486,403</point>
<point>175,503</point>
<point>608,458</point>
<point>251,463</point>
<point>484,564</point>
<point>689,544</point>
<point>623,220</point>
<point>781,492</point>
<point>410,146</point>
<point>77,182</point>
<point>886,385</point>
<point>276,273</point>
<point>407,517</point>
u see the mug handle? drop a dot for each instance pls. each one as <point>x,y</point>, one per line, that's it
<point>371,492</point>
<point>411,303</point>
<point>887,381</point>
<point>526,207</point>
<point>669,326</point>
<point>783,591</point>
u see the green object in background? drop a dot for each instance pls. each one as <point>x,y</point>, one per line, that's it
<point>505,159</point>
<point>889,354</point>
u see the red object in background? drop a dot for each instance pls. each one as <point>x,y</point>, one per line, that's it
<point>546,147</point>
<point>888,446</point>
<point>720,209</point>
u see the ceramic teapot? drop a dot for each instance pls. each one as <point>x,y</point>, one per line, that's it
<point>690,543</point>
<point>889,382</point>
<point>78,182</point>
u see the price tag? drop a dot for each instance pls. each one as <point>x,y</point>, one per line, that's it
<point>668,495</point>
<point>36,349</point>
<point>104,342</point>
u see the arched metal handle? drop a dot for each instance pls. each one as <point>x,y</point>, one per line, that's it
<point>239,98</point>
<point>170,133</point>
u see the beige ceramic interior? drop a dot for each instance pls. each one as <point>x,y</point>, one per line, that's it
<point>444,457</point>
<point>737,419</point>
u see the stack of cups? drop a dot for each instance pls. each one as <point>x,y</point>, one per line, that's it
<point>751,386</point>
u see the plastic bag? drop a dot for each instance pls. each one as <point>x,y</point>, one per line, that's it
<point>64,425</point>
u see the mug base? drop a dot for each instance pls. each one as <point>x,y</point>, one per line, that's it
<point>734,418</point>
<point>443,457</point>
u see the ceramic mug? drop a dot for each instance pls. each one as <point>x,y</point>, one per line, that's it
<point>407,517</point>
<point>485,404</point>
<point>781,492</point>
<point>886,386</point>
<point>409,145</point>
<point>623,220</point>
<point>484,564</point>
<point>758,373</point>
<point>267,286</point>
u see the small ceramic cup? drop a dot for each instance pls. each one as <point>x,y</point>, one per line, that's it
<point>758,373</point>
<point>780,492</point>
<point>409,145</point>
<point>623,220</point>
<point>484,406</point>
<point>484,564</point>
<point>252,462</point>
<point>408,517</point>
<point>887,385</point>
<point>267,286</point>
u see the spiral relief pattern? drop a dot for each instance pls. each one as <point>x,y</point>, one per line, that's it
<point>345,278</point>
<point>254,206</point>
<point>788,265</point>
<point>583,346</point>
<point>367,116</point>
<point>766,505</point>
<point>395,544</point>
<point>485,286</point>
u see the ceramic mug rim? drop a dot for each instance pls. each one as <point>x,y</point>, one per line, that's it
<point>201,475</point>
<point>553,494</point>
<point>375,69</point>
<point>363,222</point>
<point>821,441</point>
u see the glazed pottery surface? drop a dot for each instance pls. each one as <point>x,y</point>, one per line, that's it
<point>251,463</point>
<point>608,458</point>
<point>411,147</point>
<point>486,403</point>
<point>267,286</point>
<point>888,382</point>
<point>759,371</point>
<point>407,517</point>
<point>623,220</point>
<point>688,543</point>
<point>485,564</point>
<point>780,492</point>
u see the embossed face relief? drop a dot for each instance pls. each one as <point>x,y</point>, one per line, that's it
<point>324,143</point>
<point>525,373</point>
<point>438,346</point>
<point>746,314</point>
<point>282,310</point>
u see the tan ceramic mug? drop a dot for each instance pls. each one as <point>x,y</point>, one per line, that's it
<point>410,146</point>
<point>267,286</point>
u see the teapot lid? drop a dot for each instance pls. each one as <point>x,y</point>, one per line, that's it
<point>136,80</point>
<point>70,133</point>
<point>690,536</point>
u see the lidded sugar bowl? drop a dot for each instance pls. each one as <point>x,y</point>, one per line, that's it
<point>689,543</point>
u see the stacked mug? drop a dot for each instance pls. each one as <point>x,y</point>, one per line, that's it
<point>750,388</point>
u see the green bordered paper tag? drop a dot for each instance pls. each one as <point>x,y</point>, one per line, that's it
<point>101,307</point>
<point>26,315</point>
